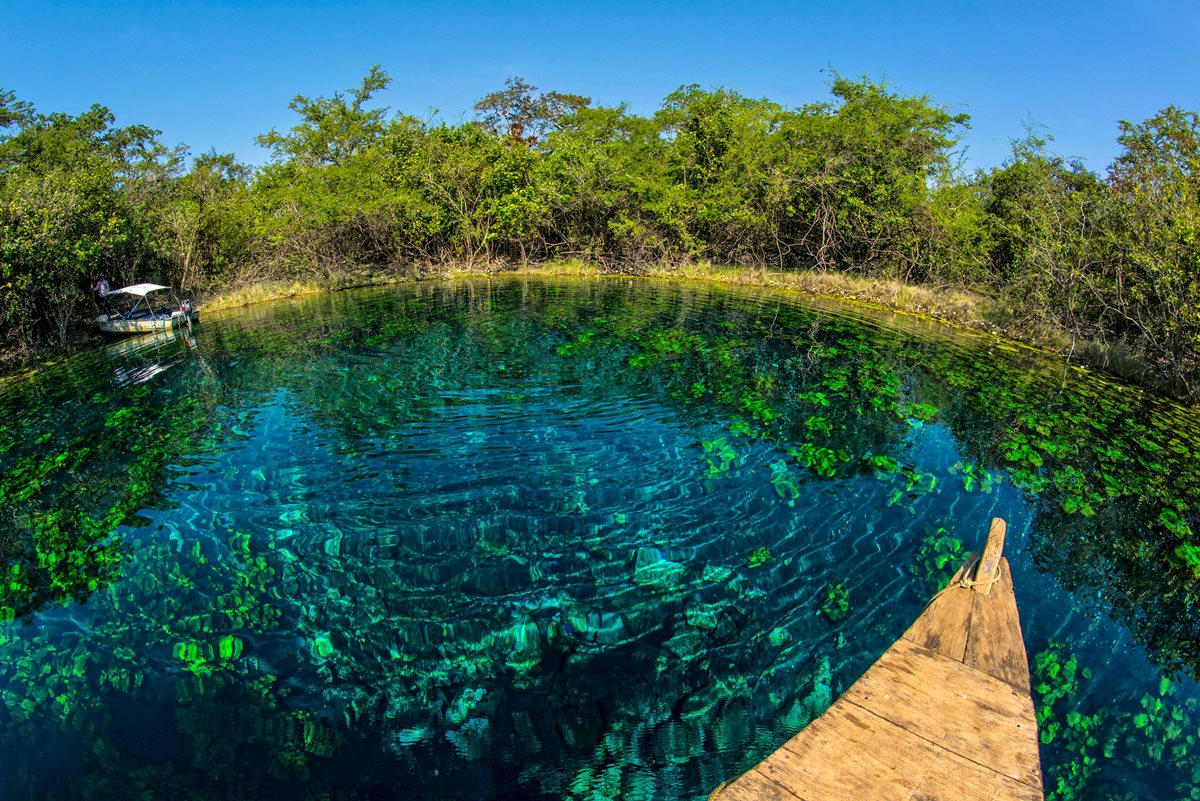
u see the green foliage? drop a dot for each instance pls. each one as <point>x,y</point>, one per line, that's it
<point>940,555</point>
<point>204,227</point>
<point>68,213</point>
<point>1189,554</point>
<point>1156,739</point>
<point>864,182</point>
<point>333,129</point>
<point>1154,240</point>
<point>784,481</point>
<point>822,461</point>
<point>835,604</point>
<point>883,463</point>
<point>1056,687</point>
<point>1040,216</point>
<point>974,477</point>
<point>719,455</point>
<point>760,557</point>
<point>921,411</point>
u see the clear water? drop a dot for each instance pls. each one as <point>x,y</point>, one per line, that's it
<point>547,539</point>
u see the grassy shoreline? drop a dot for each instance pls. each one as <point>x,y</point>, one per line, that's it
<point>949,306</point>
<point>952,306</point>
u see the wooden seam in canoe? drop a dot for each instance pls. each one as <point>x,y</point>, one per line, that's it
<point>944,714</point>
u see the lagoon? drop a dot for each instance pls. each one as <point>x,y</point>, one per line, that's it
<point>546,538</point>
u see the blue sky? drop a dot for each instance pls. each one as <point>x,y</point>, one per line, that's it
<point>213,75</point>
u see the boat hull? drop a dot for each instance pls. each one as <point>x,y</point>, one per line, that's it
<point>144,325</point>
<point>944,715</point>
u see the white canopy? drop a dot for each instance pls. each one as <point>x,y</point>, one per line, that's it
<point>141,290</point>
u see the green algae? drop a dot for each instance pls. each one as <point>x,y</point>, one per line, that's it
<point>760,557</point>
<point>835,601</point>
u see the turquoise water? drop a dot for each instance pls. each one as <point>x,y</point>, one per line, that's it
<point>547,539</point>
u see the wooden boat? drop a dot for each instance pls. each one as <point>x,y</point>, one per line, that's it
<point>147,309</point>
<point>944,714</point>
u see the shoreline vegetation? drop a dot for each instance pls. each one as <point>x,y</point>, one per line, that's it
<point>948,306</point>
<point>951,306</point>
<point>861,196</point>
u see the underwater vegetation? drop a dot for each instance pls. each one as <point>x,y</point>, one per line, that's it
<point>760,556</point>
<point>939,557</point>
<point>835,604</point>
<point>64,489</point>
<point>545,539</point>
<point>1146,746</point>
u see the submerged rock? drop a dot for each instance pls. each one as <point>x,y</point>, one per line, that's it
<point>716,574</point>
<point>523,644</point>
<point>604,629</point>
<point>463,704</point>
<point>703,616</point>
<point>654,571</point>
<point>411,736</point>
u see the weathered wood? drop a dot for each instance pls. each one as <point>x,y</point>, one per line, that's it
<point>941,628</point>
<point>886,762</point>
<point>752,786</point>
<point>819,761</point>
<point>962,709</point>
<point>995,645</point>
<point>944,715</point>
<point>989,563</point>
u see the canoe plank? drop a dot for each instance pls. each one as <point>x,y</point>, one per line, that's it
<point>941,626</point>
<point>945,714</point>
<point>855,756</point>
<point>989,563</point>
<point>974,715</point>
<point>998,649</point>
<point>752,786</point>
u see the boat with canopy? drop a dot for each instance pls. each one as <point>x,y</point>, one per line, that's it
<point>142,308</point>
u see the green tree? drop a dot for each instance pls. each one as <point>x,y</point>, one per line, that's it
<point>457,179</point>
<point>323,204</point>
<point>203,225</point>
<point>1155,239</point>
<point>859,171</point>
<point>520,113</point>
<point>332,129</point>
<point>720,164</point>
<point>1043,218</point>
<point>65,219</point>
<point>601,169</point>
<point>12,111</point>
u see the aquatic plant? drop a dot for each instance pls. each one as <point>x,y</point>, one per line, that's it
<point>975,478</point>
<point>940,555</point>
<point>835,603</point>
<point>760,557</point>
<point>1056,684</point>
<point>822,461</point>
<point>719,455</point>
<point>1099,745</point>
<point>785,482</point>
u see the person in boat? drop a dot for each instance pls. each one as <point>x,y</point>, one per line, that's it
<point>100,291</point>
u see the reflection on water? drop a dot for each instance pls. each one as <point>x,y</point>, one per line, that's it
<point>562,539</point>
<point>137,359</point>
